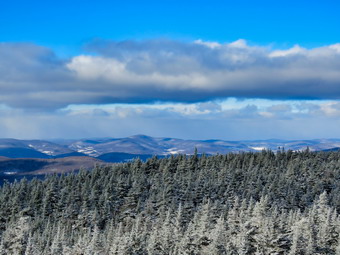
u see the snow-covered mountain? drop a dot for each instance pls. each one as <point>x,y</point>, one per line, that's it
<point>19,158</point>
<point>147,145</point>
<point>141,144</point>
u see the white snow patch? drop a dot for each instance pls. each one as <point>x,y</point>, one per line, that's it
<point>10,172</point>
<point>47,152</point>
<point>258,148</point>
<point>174,151</point>
<point>88,151</point>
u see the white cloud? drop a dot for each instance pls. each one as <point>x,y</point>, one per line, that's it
<point>91,68</point>
<point>292,51</point>
<point>165,71</point>
<point>211,45</point>
<point>335,47</point>
<point>241,43</point>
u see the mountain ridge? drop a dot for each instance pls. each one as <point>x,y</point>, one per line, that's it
<point>147,145</point>
<point>19,158</point>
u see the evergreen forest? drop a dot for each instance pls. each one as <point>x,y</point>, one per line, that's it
<point>239,203</point>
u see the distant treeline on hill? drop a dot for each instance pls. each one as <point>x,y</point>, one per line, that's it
<point>246,203</point>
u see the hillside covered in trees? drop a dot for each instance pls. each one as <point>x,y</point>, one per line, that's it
<point>246,203</point>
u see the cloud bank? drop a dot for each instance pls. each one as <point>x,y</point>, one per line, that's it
<point>33,77</point>
<point>229,120</point>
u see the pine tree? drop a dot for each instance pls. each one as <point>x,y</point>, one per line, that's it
<point>15,238</point>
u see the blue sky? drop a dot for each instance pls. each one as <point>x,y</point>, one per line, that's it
<point>189,69</point>
<point>72,23</point>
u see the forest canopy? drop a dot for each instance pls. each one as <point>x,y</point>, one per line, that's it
<point>246,203</point>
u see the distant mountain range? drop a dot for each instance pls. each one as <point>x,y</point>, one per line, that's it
<point>67,155</point>
<point>146,145</point>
